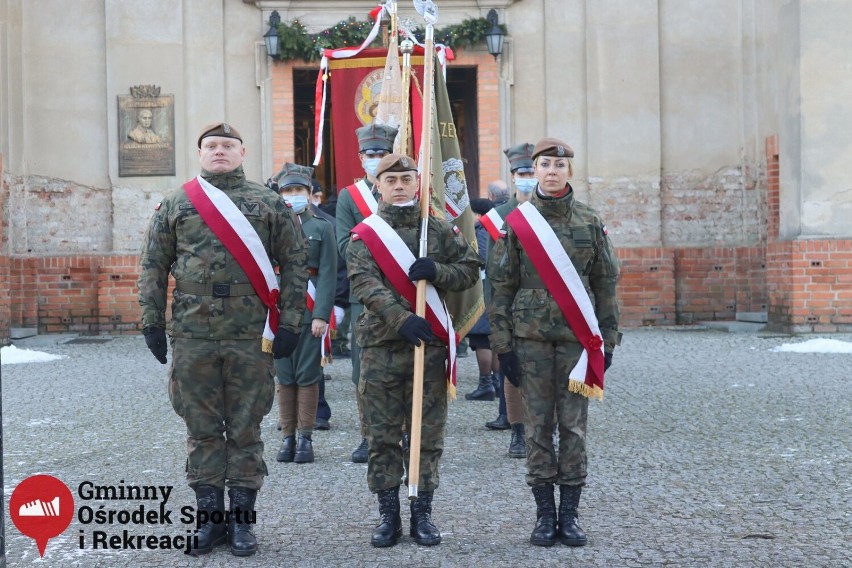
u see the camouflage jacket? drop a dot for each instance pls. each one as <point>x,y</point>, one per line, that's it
<point>522,307</point>
<point>348,215</point>
<point>179,242</point>
<point>456,261</point>
<point>322,263</point>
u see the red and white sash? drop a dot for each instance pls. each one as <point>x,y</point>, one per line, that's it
<point>493,223</point>
<point>394,259</point>
<point>232,228</point>
<point>556,270</point>
<point>330,331</point>
<point>363,198</point>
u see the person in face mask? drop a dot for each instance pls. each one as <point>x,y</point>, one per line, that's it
<point>354,203</point>
<point>297,377</point>
<point>510,410</point>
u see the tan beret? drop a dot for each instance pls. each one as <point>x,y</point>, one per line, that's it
<point>552,147</point>
<point>395,163</point>
<point>219,129</point>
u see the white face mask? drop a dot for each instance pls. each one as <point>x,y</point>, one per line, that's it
<point>406,204</point>
<point>525,185</point>
<point>297,202</point>
<point>370,165</point>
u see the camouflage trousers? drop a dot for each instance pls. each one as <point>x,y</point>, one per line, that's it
<point>222,390</point>
<point>548,404</point>
<point>385,388</point>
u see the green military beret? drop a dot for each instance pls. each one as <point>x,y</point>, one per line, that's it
<point>552,147</point>
<point>219,129</point>
<point>520,157</point>
<point>294,174</point>
<point>395,163</point>
<point>376,137</point>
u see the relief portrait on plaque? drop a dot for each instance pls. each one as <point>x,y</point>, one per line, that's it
<point>146,124</point>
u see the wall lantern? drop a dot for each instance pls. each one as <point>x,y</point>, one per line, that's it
<point>494,35</point>
<point>271,36</point>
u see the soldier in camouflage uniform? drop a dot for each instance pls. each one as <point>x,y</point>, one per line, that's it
<point>375,141</point>
<point>537,347</point>
<point>387,331</point>
<point>220,380</point>
<point>299,375</point>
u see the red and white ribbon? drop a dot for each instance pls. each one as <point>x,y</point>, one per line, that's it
<point>395,259</point>
<point>238,236</point>
<point>493,223</point>
<point>556,270</point>
<point>363,198</point>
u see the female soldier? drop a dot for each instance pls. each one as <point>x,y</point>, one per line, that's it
<point>554,308</point>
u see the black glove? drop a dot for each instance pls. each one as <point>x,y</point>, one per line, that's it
<point>155,337</point>
<point>510,366</point>
<point>284,343</point>
<point>416,328</point>
<point>607,359</point>
<point>423,269</point>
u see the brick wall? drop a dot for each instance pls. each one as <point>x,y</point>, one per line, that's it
<point>5,287</point>
<point>647,286</point>
<point>75,294</point>
<point>716,283</point>
<point>809,285</point>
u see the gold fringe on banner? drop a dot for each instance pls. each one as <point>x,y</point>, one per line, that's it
<point>266,345</point>
<point>583,389</point>
<point>356,63</point>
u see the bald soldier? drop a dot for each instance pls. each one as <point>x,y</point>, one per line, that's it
<point>382,268</point>
<point>554,322</point>
<point>229,319</point>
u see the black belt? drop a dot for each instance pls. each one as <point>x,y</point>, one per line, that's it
<point>222,290</point>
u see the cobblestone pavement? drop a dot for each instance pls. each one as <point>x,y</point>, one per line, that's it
<point>708,450</point>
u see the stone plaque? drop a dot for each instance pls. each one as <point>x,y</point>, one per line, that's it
<point>146,126</point>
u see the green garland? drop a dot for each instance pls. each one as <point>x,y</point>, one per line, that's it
<point>296,43</point>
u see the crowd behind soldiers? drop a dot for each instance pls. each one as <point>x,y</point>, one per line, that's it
<point>355,256</point>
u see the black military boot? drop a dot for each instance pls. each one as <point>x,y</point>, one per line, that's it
<point>570,533</point>
<point>389,529</point>
<point>499,423</point>
<point>423,530</point>
<point>304,449</point>
<point>361,453</point>
<point>517,444</point>
<point>544,533</point>
<point>211,501</point>
<point>243,518</point>
<point>288,449</point>
<point>485,390</point>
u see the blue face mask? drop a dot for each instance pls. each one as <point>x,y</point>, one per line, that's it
<point>297,202</point>
<point>370,165</point>
<point>525,185</point>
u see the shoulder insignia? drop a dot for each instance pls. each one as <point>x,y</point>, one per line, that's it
<point>287,204</point>
<point>456,230</point>
<point>355,237</point>
<point>157,206</point>
<point>604,229</point>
